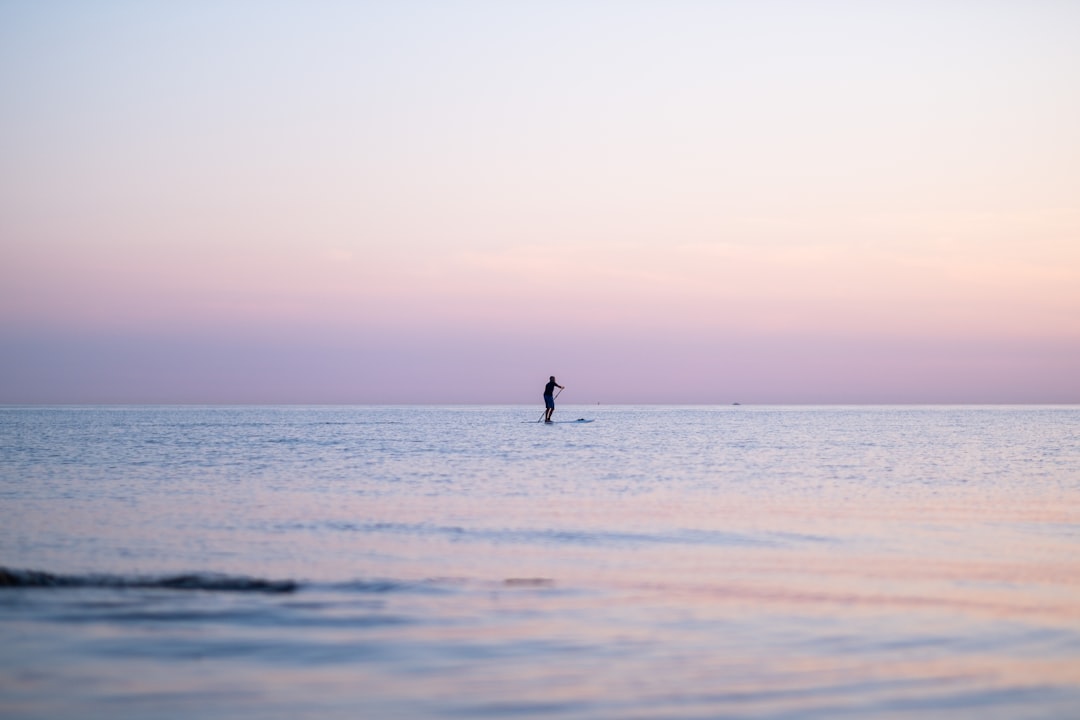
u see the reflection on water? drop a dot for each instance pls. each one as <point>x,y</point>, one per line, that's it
<point>456,562</point>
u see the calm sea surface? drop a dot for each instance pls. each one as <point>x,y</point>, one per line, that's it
<point>465,562</point>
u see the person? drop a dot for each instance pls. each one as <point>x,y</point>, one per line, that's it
<point>549,398</point>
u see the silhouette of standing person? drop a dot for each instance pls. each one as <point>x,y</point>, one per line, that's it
<point>549,398</point>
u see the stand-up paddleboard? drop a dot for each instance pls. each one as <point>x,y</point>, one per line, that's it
<point>579,421</point>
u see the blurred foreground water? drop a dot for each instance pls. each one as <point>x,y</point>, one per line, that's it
<point>689,562</point>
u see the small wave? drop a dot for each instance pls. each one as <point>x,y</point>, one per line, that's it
<point>376,586</point>
<point>688,536</point>
<point>189,581</point>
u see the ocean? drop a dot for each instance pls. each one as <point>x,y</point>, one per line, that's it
<point>469,562</point>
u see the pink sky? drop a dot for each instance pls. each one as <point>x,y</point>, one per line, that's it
<point>669,202</point>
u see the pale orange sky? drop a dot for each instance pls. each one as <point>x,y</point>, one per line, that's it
<point>659,202</point>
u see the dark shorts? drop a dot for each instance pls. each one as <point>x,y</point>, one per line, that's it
<point>549,401</point>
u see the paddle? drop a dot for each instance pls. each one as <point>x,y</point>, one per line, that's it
<point>545,409</point>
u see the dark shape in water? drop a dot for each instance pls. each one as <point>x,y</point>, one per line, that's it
<point>189,581</point>
<point>528,582</point>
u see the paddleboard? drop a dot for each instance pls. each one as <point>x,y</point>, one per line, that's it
<point>579,421</point>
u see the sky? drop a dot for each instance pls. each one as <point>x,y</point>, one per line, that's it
<point>447,202</point>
